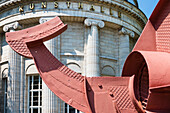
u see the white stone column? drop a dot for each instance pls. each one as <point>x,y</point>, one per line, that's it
<point>14,77</point>
<point>124,46</point>
<point>50,102</point>
<point>92,51</point>
<point>22,84</point>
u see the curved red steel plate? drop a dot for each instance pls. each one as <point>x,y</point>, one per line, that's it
<point>149,63</point>
<point>153,50</point>
<point>45,31</point>
<point>65,83</point>
<point>147,40</point>
<point>155,36</point>
<point>85,94</point>
<point>158,64</point>
<point>110,95</point>
<point>91,94</point>
<point>136,103</point>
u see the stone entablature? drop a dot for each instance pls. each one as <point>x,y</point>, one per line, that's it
<point>83,9</point>
<point>5,3</point>
<point>118,4</point>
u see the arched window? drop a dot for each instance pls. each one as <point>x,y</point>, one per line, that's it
<point>108,71</point>
<point>34,90</point>
<point>31,69</point>
<point>75,67</point>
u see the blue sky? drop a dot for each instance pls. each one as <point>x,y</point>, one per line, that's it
<point>147,6</point>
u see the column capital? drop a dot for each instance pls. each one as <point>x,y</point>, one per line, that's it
<point>14,26</point>
<point>127,32</point>
<point>45,19</point>
<point>90,22</point>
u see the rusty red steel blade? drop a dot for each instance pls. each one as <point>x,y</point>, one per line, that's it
<point>65,83</point>
<point>45,31</point>
<point>155,78</point>
<point>155,36</point>
<point>90,95</point>
<point>147,90</point>
<point>152,50</point>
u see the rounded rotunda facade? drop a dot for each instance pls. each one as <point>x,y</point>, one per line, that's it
<point>100,35</point>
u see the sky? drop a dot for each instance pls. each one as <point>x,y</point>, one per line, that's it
<point>147,6</point>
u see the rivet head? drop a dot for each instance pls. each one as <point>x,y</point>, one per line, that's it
<point>100,86</point>
<point>111,94</point>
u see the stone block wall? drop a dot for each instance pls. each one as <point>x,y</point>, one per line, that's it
<point>72,40</point>
<point>109,50</point>
<point>109,42</point>
<point>72,44</point>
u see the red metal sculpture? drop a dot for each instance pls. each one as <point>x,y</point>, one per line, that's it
<point>144,87</point>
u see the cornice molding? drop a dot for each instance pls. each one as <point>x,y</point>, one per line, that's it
<point>120,5</point>
<point>6,3</point>
<point>35,18</point>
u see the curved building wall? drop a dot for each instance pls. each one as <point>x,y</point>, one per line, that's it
<point>99,37</point>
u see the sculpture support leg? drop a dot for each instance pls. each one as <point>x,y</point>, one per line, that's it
<point>51,103</point>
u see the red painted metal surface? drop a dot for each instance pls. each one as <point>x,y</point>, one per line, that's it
<point>152,54</point>
<point>154,79</point>
<point>144,87</point>
<point>48,30</point>
<point>91,95</point>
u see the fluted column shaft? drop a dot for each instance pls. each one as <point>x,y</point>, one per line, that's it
<point>14,77</point>
<point>50,103</point>
<point>22,84</point>
<point>124,46</point>
<point>92,52</point>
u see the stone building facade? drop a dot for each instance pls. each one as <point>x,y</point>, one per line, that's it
<point>100,35</point>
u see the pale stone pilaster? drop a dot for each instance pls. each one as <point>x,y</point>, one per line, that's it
<point>50,103</point>
<point>124,46</point>
<point>14,77</point>
<point>1,84</point>
<point>22,84</point>
<point>92,51</point>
